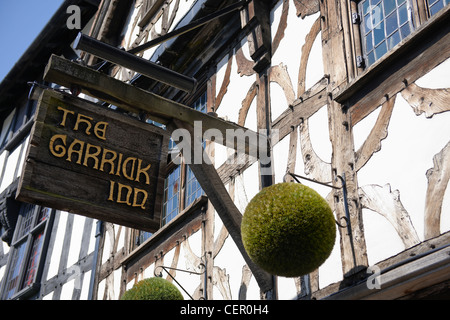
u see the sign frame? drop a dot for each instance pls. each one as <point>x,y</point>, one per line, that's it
<point>94,161</point>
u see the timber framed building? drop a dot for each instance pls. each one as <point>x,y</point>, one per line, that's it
<point>354,89</point>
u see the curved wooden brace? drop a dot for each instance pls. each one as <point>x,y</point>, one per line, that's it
<point>292,155</point>
<point>246,103</point>
<point>378,133</point>
<point>438,178</point>
<point>306,7</point>
<point>245,282</point>
<point>279,35</point>
<point>280,75</point>
<point>315,167</point>
<point>193,262</point>
<point>306,50</point>
<point>244,65</point>
<point>220,241</point>
<point>222,281</point>
<point>387,203</point>
<point>174,264</point>
<point>428,101</point>
<point>225,83</point>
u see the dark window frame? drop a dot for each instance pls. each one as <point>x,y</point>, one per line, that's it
<point>418,14</point>
<point>188,188</point>
<point>32,229</point>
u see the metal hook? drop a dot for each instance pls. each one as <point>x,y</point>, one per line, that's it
<point>347,212</point>
<point>295,176</point>
<point>346,222</point>
<point>181,270</point>
<point>347,216</point>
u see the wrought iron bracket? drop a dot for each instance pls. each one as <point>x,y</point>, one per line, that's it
<point>346,208</point>
<point>181,270</point>
<point>296,177</point>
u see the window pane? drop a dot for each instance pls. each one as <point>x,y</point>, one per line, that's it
<point>27,214</point>
<point>33,261</point>
<point>393,40</point>
<point>12,282</point>
<point>381,50</point>
<point>367,24</point>
<point>143,236</point>
<point>378,33</point>
<point>405,31</point>
<point>365,6</point>
<point>389,6</point>
<point>391,24</point>
<point>193,188</point>
<point>369,42</point>
<point>371,58</point>
<point>44,214</point>
<point>171,192</point>
<point>403,14</point>
<point>434,8</point>
<point>377,14</point>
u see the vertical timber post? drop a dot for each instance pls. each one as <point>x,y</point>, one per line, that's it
<point>353,246</point>
<point>260,47</point>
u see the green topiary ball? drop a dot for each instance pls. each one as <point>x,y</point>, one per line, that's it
<point>288,229</point>
<point>153,289</point>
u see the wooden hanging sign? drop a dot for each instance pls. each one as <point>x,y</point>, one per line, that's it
<point>93,161</point>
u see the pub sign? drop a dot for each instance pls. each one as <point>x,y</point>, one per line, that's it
<point>90,160</point>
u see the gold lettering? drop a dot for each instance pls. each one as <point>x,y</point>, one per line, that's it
<point>120,187</point>
<point>59,150</point>
<point>110,160</point>
<point>72,150</point>
<point>83,119</point>
<point>143,171</point>
<point>130,175</point>
<point>126,199</point>
<point>65,112</point>
<point>144,200</point>
<point>111,191</point>
<point>93,156</point>
<point>119,164</point>
<point>100,130</point>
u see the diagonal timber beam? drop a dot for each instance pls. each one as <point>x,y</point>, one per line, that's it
<point>130,98</point>
<point>211,183</point>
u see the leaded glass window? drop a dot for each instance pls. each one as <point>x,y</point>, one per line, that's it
<point>27,251</point>
<point>384,23</point>
<point>171,196</point>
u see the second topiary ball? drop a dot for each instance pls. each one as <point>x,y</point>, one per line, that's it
<point>288,229</point>
<point>153,289</point>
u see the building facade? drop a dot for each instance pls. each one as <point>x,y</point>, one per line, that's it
<point>353,91</point>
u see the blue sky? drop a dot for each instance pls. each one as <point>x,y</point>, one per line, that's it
<point>20,23</point>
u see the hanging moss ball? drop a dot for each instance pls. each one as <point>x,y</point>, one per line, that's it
<point>288,229</point>
<point>153,289</point>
